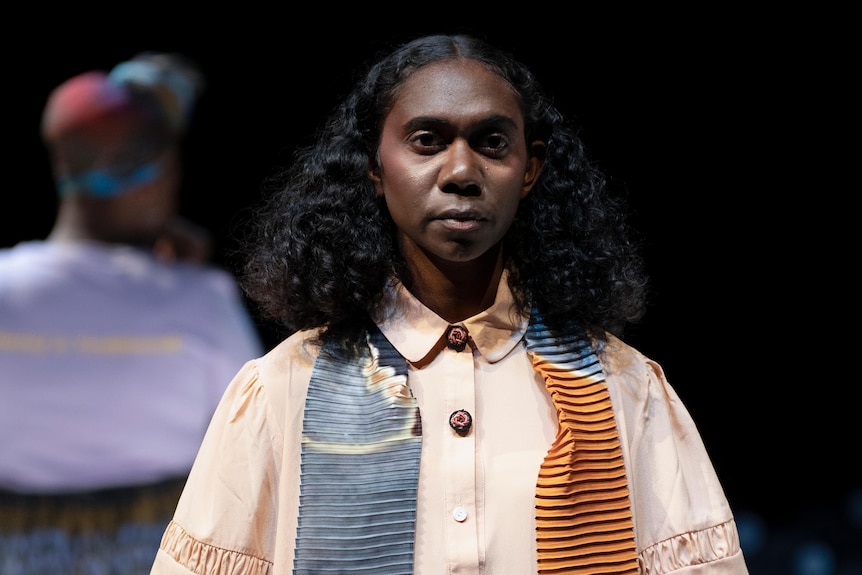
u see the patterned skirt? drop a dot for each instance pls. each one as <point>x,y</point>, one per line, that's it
<point>107,532</point>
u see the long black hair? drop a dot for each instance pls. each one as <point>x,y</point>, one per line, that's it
<point>322,245</point>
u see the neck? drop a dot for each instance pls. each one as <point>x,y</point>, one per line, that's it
<point>458,291</point>
<point>83,219</point>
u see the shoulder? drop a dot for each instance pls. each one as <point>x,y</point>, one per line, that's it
<point>217,278</point>
<point>24,257</point>
<point>267,394</point>
<point>285,371</point>
<point>626,364</point>
<point>188,284</point>
<point>297,352</point>
<point>637,384</point>
<point>38,268</point>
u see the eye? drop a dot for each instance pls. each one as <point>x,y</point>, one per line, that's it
<point>494,145</point>
<point>426,142</point>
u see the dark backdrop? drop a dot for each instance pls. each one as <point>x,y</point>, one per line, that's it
<point>726,129</point>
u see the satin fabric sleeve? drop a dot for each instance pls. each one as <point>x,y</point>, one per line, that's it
<point>237,514</point>
<point>683,521</point>
<point>226,516</point>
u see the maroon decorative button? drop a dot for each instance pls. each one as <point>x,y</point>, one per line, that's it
<point>461,421</point>
<point>456,337</point>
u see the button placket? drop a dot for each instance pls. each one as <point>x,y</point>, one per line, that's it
<point>460,448</point>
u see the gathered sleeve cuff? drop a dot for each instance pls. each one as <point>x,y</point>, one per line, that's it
<point>188,554</point>
<point>714,550</point>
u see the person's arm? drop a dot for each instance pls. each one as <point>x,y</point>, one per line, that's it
<point>683,521</point>
<point>226,515</point>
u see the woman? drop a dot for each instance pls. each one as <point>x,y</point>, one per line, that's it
<point>455,396</point>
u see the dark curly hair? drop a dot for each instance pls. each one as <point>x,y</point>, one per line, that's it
<point>322,246</point>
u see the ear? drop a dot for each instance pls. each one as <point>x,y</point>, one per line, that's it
<point>374,176</point>
<point>535,162</point>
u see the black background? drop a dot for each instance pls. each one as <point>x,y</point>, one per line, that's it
<point>731,131</point>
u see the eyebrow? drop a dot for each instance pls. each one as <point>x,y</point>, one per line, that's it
<point>493,120</point>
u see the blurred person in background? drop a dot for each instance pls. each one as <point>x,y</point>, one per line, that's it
<point>118,333</point>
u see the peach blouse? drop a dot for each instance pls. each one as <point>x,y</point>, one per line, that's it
<point>477,492</point>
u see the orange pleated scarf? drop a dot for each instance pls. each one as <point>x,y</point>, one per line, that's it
<point>583,516</point>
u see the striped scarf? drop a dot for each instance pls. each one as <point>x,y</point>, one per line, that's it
<point>360,465</point>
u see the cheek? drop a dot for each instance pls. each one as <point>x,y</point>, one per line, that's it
<point>404,197</point>
<point>510,183</point>
<point>404,182</point>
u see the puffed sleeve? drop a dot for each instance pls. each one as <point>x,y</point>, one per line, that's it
<point>683,521</point>
<point>225,521</point>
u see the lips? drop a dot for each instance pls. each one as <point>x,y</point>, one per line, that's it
<point>463,216</point>
<point>461,220</point>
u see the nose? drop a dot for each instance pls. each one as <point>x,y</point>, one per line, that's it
<point>461,172</point>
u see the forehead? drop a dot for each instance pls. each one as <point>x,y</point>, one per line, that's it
<point>460,88</point>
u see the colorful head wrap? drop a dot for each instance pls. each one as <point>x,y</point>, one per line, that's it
<point>107,131</point>
<point>174,81</point>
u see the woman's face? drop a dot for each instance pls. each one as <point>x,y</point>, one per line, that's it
<point>453,163</point>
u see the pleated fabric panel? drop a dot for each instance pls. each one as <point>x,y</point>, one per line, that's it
<point>583,516</point>
<point>360,465</point>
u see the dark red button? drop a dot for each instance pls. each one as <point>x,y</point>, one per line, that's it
<point>461,421</point>
<point>456,337</point>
